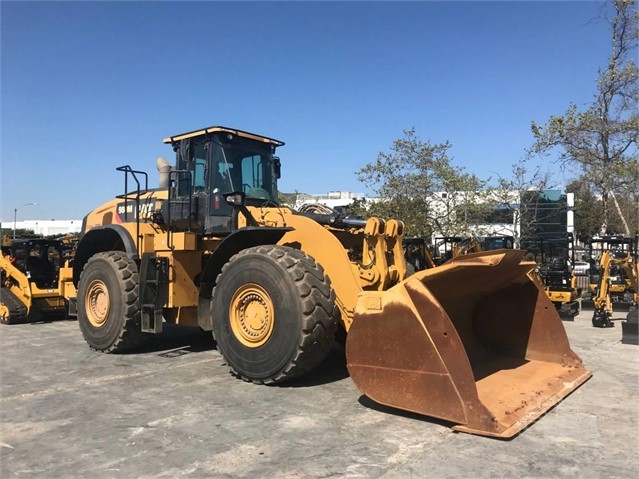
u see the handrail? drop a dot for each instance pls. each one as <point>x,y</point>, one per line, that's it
<point>129,171</point>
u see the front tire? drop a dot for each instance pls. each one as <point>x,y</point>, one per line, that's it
<point>107,301</point>
<point>274,314</point>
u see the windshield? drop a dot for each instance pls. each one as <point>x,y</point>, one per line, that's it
<point>244,165</point>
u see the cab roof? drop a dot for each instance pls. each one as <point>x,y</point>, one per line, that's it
<point>215,129</point>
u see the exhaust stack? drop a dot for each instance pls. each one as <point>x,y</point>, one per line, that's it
<point>164,168</point>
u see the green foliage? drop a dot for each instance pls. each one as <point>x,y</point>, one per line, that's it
<point>360,207</point>
<point>288,199</point>
<point>509,192</point>
<point>20,233</point>
<point>416,183</point>
<point>602,139</point>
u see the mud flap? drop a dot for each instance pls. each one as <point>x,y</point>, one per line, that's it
<point>475,342</point>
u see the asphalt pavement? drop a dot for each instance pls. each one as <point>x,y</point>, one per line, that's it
<point>173,410</point>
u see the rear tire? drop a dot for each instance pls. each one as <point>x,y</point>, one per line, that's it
<point>274,314</point>
<point>107,302</point>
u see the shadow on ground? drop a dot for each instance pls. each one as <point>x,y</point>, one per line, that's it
<point>175,340</point>
<point>332,369</point>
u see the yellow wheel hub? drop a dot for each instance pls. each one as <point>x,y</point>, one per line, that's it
<point>96,303</point>
<point>252,315</point>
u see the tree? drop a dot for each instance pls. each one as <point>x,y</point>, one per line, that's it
<point>360,207</point>
<point>416,183</point>
<point>19,233</point>
<point>516,197</point>
<point>287,199</point>
<point>602,140</point>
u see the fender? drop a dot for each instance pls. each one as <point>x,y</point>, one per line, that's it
<point>99,239</point>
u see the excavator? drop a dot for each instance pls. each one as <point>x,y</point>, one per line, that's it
<point>474,342</point>
<point>613,278</point>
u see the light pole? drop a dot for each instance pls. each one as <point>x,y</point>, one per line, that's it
<point>15,216</point>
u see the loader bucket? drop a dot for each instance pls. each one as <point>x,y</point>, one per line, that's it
<point>475,342</point>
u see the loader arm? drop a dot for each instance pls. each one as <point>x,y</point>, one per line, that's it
<point>368,258</point>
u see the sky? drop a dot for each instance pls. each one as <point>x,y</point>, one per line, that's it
<point>88,86</point>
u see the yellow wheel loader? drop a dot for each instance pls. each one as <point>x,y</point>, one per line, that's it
<point>474,342</point>
<point>34,280</point>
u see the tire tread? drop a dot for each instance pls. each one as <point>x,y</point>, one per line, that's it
<point>319,319</point>
<point>129,336</point>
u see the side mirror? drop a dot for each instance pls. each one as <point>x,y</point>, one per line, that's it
<point>277,167</point>
<point>235,199</point>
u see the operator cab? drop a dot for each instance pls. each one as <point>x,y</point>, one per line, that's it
<point>555,256</point>
<point>213,162</point>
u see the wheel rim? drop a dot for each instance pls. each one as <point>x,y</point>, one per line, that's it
<point>97,303</point>
<point>4,312</point>
<point>252,315</point>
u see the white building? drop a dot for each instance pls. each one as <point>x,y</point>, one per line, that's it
<point>46,227</point>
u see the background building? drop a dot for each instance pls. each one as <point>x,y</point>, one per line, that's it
<point>45,227</point>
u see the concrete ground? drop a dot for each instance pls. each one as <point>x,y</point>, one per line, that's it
<point>174,411</point>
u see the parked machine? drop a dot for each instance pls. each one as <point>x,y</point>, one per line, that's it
<point>474,342</point>
<point>417,253</point>
<point>421,256</point>
<point>489,243</point>
<point>33,280</point>
<point>554,255</point>
<point>630,327</point>
<point>447,247</point>
<point>613,278</point>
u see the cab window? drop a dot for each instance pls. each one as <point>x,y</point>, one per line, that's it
<point>199,168</point>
